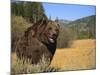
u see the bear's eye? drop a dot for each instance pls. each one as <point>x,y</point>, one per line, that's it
<point>49,28</point>
<point>56,30</point>
<point>58,24</point>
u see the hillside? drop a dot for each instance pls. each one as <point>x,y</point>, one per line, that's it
<point>63,23</point>
<point>83,27</point>
<point>83,21</point>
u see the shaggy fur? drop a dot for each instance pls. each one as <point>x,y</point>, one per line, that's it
<point>39,39</point>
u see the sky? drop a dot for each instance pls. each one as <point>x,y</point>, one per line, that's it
<point>68,11</point>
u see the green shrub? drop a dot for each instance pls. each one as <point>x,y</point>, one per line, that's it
<point>18,26</point>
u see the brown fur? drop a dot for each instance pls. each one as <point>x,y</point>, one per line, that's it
<point>38,40</point>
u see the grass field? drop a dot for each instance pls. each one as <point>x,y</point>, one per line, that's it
<point>81,55</point>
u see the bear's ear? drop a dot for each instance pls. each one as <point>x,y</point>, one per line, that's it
<point>58,25</point>
<point>40,26</point>
<point>43,25</point>
<point>37,25</point>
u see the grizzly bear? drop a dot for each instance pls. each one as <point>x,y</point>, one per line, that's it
<point>38,40</point>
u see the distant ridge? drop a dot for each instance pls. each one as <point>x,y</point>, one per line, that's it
<point>83,28</point>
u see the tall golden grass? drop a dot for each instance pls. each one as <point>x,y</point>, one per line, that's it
<point>24,66</point>
<point>81,55</point>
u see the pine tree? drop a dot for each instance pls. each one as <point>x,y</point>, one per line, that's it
<point>32,11</point>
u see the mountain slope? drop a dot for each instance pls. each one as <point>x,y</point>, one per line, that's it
<point>84,27</point>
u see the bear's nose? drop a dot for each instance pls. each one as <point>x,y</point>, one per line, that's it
<point>54,34</point>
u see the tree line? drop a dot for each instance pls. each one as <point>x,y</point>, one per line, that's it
<point>31,11</point>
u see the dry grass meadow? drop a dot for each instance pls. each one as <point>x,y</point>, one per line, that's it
<point>81,55</point>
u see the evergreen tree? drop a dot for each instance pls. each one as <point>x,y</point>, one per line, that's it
<point>32,11</point>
